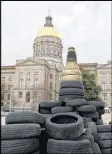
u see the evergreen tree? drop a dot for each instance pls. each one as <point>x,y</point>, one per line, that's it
<point>91,90</point>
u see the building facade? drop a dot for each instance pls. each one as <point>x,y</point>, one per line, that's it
<point>36,78</point>
<point>103,74</point>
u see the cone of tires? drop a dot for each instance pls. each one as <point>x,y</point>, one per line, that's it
<point>71,86</point>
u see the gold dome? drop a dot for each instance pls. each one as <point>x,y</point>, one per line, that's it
<point>48,31</point>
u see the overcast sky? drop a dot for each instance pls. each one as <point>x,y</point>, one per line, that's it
<point>86,25</point>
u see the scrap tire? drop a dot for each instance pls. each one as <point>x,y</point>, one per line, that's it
<point>86,121</point>
<point>104,128</point>
<point>45,111</point>
<point>101,111</point>
<point>49,104</point>
<point>105,144</point>
<point>92,126</point>
<point>63,98</point>
<point>96,148</point>
<point>20,131</point>
<point>99,122</point>
<point>69,147</point>
<point>97,103</point>
<point>105,136</point>
<point>24,117</point>
<point>86,108</point>
<point>93,115</point>
<point>22,146</point>
<point>88,137</point>
<point>71,84</point>
<point>71,127</point>
<point>61,109</point>
<point>106,151</point>
<point>71,91</point>
<point>76,102</point>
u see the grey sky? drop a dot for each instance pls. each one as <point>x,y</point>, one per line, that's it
<point>86,25</point>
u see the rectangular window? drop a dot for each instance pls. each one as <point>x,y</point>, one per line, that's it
<point>50,76</point>
<point>104,96</point>
<point>50,85</point>
<point>36,83</point>
<point>21,83</point>
<point>28,75</point>
<point>8,97</point>
<point>9,87</point>
<point>2,96</point>
<point>104,86</point>
<point>3,78</point>
<point>10,78</point>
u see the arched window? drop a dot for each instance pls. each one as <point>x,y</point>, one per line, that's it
<point>20,94</point>
<point>28,97</point>
<point>28,75</point>
<point>21,75</point>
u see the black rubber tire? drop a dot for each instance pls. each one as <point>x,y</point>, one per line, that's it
<point>93,115</point>
<point>71,91</point>
<point>107,151</point>
<point>86,108</point>
<point>71,84</point>
<point>104,128</point>
<point>88,137</point>
<point>63,98</point>
<point>37,152</point>
<point>97,103</point>
<point>96,148</point>
<point>69,147</point>
<point>101,111</point>
<point>92,126</point>
<point>71,127</point>
<point>24,117</point>
<point>22,146</point>
<point>20,131</point>
<point>49,104</point>
<point>61,109</point>
<point>99,122</point>
<point>105,136</point>
<point>105,144</point>
<point>45,111</point>
<point>72,55</point>
<point>76,102</point>
<point>88,131</point>
<point>86,120</point>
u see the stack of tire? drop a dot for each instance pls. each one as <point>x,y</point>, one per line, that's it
<point>70,89</point>
<point>71,86</point>
<point>88,112</point>
<point>45,107</point>
<point>100,105</point>
<point>105,138</point>
<point>68,135</point>
<point>21,134</point>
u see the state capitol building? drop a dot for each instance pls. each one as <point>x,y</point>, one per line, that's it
<point>37,78</point>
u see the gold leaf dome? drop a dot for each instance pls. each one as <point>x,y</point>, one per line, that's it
<point>48,29</point>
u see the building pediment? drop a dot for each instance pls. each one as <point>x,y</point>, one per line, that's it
<point>29,63</point>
